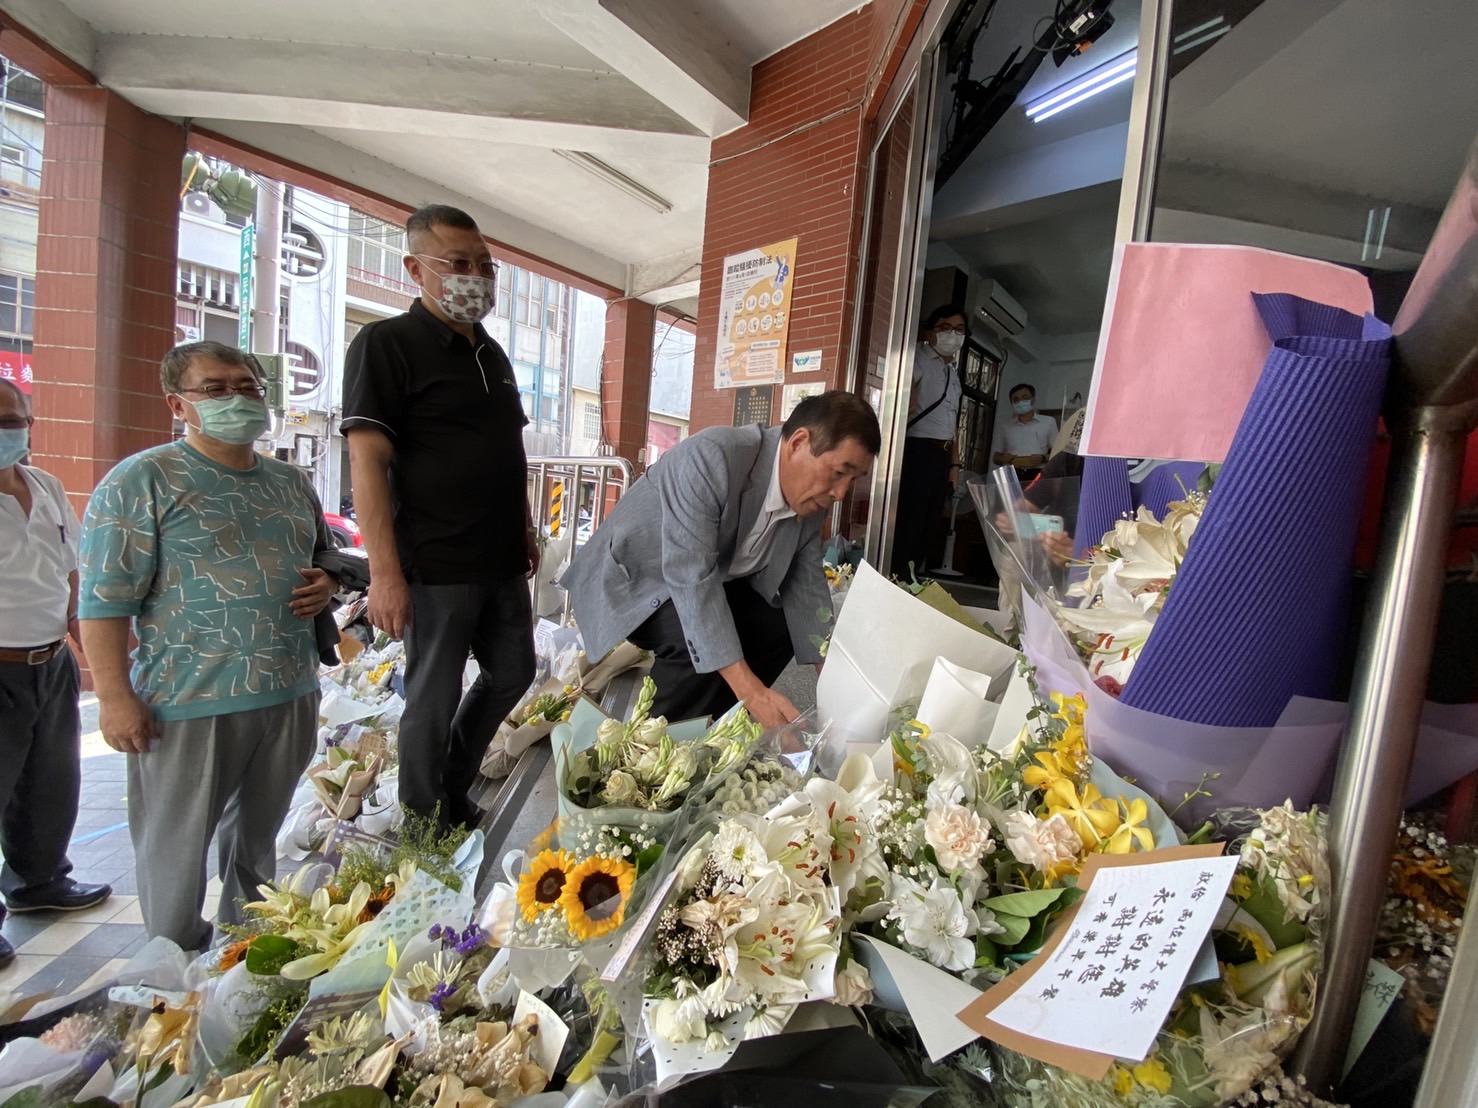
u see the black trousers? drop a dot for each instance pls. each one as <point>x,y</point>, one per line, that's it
<point>443,734</point>
<point>683,692</point>
<point>40,771</point>
<point>922,488</point>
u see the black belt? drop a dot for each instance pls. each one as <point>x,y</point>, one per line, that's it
<point>37,656</point>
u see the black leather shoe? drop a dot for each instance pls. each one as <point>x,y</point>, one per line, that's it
<point>65,895</point>
<point>7,952</point>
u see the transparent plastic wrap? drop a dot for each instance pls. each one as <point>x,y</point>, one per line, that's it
<point>1029,535</point>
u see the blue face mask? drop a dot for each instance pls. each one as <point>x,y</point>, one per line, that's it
<point>1021,407</point>
<point>14,444</point>
<point>238,420</point>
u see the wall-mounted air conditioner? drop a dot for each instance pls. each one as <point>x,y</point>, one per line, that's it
<point>991,306</point>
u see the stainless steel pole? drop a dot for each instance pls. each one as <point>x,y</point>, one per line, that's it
<point>1385,711</point>
<point>1146,122</point>
<point>1451,1073</point>
<point>1432,401</point>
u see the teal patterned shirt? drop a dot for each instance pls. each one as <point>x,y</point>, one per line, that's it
<point>204,558</point>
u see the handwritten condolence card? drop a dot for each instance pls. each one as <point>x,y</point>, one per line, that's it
<point>1109,984</point>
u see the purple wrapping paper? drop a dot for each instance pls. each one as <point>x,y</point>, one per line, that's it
<point>1260,603</point>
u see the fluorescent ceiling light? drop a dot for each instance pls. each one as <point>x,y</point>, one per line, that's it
<point>1117,71</point>
<point>1093,82</point>
<point>613,176</point>
<point>1201,34</point>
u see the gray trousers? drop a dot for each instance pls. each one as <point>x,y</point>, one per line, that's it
<point>234,772</point>
<point>443,734</point>
<point>40,771</point>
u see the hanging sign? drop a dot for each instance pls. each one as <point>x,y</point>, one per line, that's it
<point>243,298</point>
<point>754,316</point>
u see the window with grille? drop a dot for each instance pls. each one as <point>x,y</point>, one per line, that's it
<point>376,247</point>
<point>590,415</point>
<point>17,304</point>
<point>210,286</point>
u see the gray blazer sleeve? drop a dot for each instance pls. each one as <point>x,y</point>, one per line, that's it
<point>693,497</point>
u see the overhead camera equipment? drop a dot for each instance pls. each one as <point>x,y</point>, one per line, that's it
<point>979,105</point>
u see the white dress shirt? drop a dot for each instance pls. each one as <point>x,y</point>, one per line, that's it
<point>1032,437</point>
<point>36,555</point>
<point>754,547</point>
<point>934,377</point>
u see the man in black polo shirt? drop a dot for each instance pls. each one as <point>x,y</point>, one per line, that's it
<point>435,427</point>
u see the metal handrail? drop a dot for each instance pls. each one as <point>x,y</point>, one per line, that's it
<point>1431,408</point>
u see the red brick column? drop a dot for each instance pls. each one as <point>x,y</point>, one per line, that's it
<point>799,167</point>
<point>105,282</point>
<point>626,377</point>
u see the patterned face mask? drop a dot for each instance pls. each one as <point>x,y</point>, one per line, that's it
<point>466,298</point>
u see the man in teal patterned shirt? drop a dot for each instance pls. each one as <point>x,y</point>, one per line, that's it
<point>204,550</point>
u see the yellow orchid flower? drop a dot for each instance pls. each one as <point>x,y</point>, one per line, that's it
<point>1070,709</point>
<point>1152,1074</point>
<point>1088,812</point>
<point>1049,770</point>
<point>1123,1081</point>
<point>1130,832</point>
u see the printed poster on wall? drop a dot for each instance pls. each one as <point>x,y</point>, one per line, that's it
<point>754,316</point>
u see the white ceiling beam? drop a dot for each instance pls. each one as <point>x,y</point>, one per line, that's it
<point>55,23</point>
<point>666,279</point>
<point>392,90</point>
<point>670,50</point>
<point>355,167</point>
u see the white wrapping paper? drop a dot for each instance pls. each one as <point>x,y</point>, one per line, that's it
<point>883,651</point>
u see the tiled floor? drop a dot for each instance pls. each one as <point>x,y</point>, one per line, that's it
<point>59,952</point>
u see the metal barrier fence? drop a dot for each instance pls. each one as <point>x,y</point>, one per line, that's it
<point>574,494</point>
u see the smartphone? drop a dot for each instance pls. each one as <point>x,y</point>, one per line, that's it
<point>1043,524</point>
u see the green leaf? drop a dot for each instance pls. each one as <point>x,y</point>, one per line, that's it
<point>1016,928</point>
<point>647,858</point>
<point>986,953</point>
<point>26,1098</point>
<point>1265,907</point>
<point>355,1096</point>
<point>269,953</point>
<point>1028,903</point>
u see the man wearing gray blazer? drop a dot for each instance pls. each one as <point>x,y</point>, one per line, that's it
<point>712,560</point>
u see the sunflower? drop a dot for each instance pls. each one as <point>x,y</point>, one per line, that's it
<point>594,897</point>
<point>376,904</point>
<point>540,886</point>
<point>233,953</point>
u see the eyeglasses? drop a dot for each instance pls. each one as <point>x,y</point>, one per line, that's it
<point>464,267</point>
<point>220,392</point>
<point>953,328</point>
<point>15,423</point>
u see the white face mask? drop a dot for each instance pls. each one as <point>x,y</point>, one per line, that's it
<point>467,298</point>
<point>949,343</point>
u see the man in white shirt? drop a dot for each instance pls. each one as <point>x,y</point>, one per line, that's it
<point>1026,438</point>
<point>40,769</point>
<point>929,450</point>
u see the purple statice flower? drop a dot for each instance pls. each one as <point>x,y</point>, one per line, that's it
<point>470,940</point>
<point>464,942</point>
<point>440,995</point>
